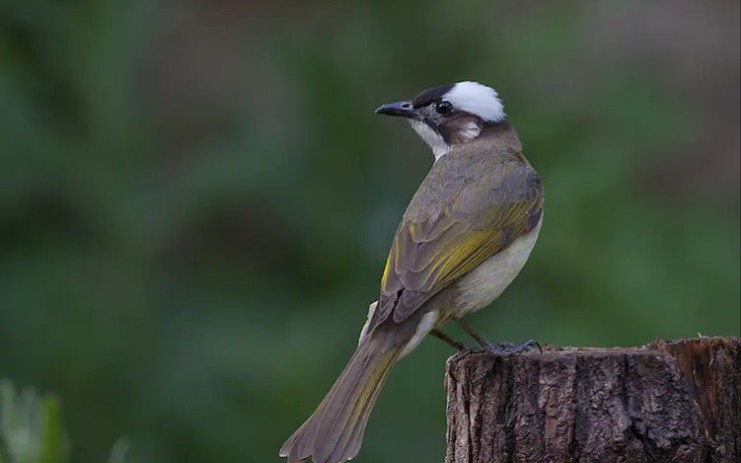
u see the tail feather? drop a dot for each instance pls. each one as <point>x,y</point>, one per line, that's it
<point>334,432</point>
<point>304,443</point>
<point>348,446</point>
<point>355,439</point>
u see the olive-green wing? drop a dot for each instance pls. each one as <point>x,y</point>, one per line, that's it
<point>436,249</point>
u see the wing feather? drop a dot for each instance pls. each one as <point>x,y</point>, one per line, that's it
<point>434,248</point>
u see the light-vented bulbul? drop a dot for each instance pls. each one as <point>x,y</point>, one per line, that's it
<point>464,237</point>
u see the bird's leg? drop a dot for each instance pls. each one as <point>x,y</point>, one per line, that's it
<point>503,349</point>
<point>473,333</point>
<point>448,340</point>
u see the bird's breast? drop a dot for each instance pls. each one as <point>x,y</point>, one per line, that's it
<point>486,282</point>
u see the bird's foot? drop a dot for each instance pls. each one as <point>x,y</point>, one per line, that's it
<point>508,349</point>
<point>502,350</point>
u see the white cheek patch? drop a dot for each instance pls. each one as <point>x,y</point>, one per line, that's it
<point>432,138</point>
<point>470,131</point>
<point>477,99</point>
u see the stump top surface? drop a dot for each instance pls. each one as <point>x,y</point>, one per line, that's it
<point>657,347</point>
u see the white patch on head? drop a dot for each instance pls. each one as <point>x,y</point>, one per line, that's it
<point>477,99</point>
<point>432,138</point>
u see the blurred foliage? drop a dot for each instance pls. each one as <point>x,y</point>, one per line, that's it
<point>31,429</point>
<point>196,200</point>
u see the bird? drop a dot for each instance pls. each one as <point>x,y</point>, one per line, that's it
<point>465,235</point>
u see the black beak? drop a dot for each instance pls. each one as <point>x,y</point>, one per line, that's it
<point>400,108</point>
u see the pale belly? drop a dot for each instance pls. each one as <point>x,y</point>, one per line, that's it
<point>485,283</point>
<point>475,290</point>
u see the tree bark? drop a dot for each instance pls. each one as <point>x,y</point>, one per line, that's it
<point>665,402</point>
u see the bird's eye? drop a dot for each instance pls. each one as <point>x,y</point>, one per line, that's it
<point>444,107</point>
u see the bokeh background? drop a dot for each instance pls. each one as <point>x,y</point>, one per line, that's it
<point>196,200</point>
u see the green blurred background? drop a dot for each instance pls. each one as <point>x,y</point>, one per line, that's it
<point>196,200</point>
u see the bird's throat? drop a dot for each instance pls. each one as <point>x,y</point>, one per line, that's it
<point>433,139</point>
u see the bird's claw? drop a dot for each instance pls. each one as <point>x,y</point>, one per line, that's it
<point>508,349</point>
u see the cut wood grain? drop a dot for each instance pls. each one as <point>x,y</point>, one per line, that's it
<point>665,402</point>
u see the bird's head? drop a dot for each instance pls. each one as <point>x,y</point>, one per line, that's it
<point>448,115</point>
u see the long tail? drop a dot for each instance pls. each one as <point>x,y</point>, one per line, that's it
<point>334,432</point>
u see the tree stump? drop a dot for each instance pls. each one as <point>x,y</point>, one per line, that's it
<point>665,402</point>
